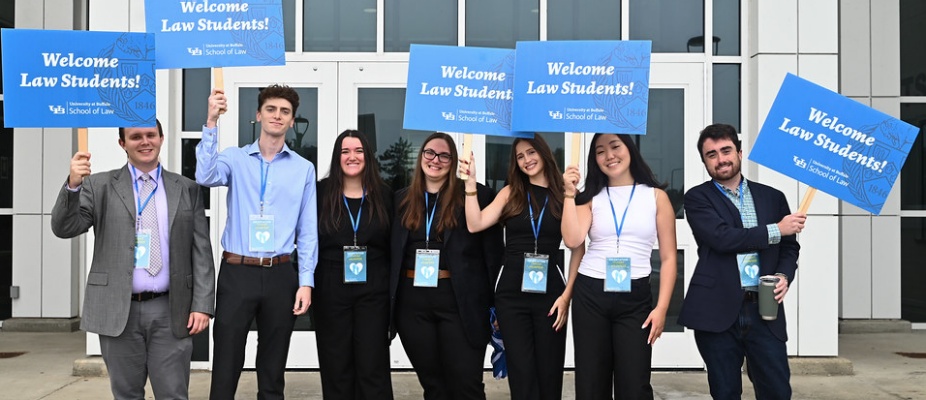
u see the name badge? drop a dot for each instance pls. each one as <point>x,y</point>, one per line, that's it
<point>427,267</point>
<point>536,268</point>
<point>260,234</point>
<point>748,265</point>
<point>142,248</point>
<point>355,264</point>
<point>617,275</point>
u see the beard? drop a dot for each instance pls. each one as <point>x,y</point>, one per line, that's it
<point>731,172</point>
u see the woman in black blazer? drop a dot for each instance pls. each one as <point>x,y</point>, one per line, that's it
<point>440,284</point>
<point>352,277</point>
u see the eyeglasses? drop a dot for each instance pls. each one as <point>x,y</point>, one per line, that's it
<point>430,154</point>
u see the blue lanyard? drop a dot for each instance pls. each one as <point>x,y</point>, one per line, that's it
<point>536,228</point>
<point>139,205</point>
<point>355,223</point>
<point>428,220</point>
<point>742,192</point>
<point>620,227</point>
<point>263,183</point>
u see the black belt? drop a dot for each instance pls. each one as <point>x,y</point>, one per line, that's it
<point>145,296</point>
<point>750,296</point>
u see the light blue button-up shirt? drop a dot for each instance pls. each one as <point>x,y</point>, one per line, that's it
<point>289,198</point>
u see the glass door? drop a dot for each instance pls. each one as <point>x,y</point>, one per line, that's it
<point>316,83</point>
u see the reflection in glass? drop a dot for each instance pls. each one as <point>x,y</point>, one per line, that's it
<point>197,86</point>
<point>490,23</point>
<point>726,95</point>
<point>301,138</point>
<point>670,24</point>
<point>912,274</point>
<point>583,20</point>
<point>913,174</point>
<point>663,145</point>
<point>380,116</point>
<point>420,22</point>
<point>6,264</point>
<point>678,291</point>
<point>912,57</point>
<point>188,165</point>
<point>498,153</point>
<point>6,165</point>
<point>727,27</point>
<point>339,25</point>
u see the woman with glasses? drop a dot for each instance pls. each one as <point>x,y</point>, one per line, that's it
<point>440,276</point>
<point>624,211</point>
<point>350,300</point>
<point>531,311</point>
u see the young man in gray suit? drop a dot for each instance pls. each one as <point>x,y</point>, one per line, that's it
<point>152,280</point>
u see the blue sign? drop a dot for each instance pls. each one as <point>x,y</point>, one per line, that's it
<point>225,33</point>
<point>460,89</point>
<point>582,86</point>
<point>83,79</point>
<point>833,143</point>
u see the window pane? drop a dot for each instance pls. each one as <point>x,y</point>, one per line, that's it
<point>912,273</point>
<point>678,291</point>
<point>6,165</point>
<point>726,27</point>
<point>674,26</point>
<point>913,174</point>
<point>912,62</point>
<point>197,86</point>
<point>490,23</point>
<point>7,14</point>
<point>289,25</point>
<point>498,153</point>
<point>381,113</point>
<point>188,165</point>
<point>420,22</point>
<point>583,20</point>
<point>663,145</point>
<point>339,25</point>
<point>6,264</point>
<point>301,138</point>
<point>726,95</point>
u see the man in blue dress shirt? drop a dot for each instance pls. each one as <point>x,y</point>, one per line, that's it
<point>271,207</point>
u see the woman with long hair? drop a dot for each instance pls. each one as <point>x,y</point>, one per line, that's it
<point>531,312</point>
<point>350,300</point>
<point>624,211</point>
<point>440,276</point>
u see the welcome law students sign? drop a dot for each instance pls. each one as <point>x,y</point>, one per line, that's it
<point>204,33</point>
<point>66,79</point>
<point>833,143</point>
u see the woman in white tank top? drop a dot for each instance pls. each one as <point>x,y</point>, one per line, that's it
<point>623,211</point>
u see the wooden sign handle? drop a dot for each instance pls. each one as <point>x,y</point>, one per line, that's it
<point>467,150</point>
<point>219,77</point>
<point>576,147</point>
<point>82,140</point>
<point>808,197</point>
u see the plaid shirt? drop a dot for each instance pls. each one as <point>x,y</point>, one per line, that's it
<point>747,208</point>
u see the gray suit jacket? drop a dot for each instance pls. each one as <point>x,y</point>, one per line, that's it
<point>106,202</point>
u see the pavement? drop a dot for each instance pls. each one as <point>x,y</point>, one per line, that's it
<point>881,366</point>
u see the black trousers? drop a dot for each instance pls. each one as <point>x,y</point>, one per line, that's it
<point>533,350</point>
<point>610,347</point>
<point>429,325</point>
<point>352,334</point>
<point>244,293</point>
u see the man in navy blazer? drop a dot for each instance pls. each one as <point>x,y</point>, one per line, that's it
<point>732,217</point>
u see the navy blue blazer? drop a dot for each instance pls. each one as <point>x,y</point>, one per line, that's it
<point>715,295</point>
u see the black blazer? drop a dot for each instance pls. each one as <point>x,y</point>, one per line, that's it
<point>715,295</point>
<point>470,257</point>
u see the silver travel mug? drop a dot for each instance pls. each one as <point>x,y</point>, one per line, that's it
<point>768,307</point>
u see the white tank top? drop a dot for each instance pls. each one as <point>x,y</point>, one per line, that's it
<point>638,232</point>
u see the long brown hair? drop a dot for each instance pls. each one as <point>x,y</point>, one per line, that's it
<point>412,205</point>
<point>518,181</point>
<point>331,200</point>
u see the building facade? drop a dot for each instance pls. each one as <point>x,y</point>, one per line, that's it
<point>348,60</point>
